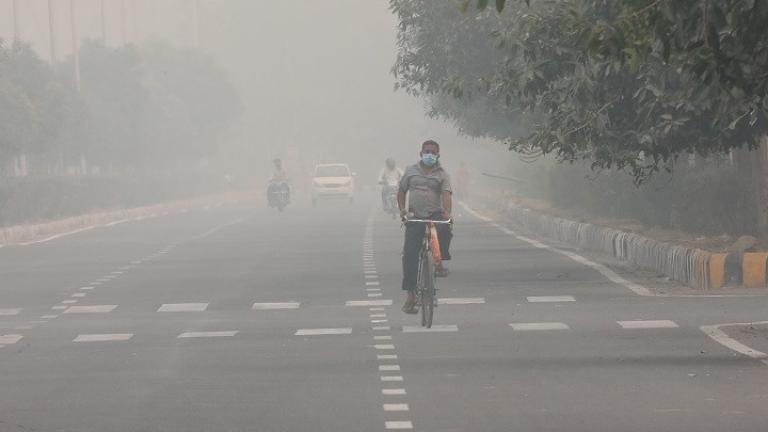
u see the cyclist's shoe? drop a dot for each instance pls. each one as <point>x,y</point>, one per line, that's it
<point>441,271</point>
<point>410,307</point>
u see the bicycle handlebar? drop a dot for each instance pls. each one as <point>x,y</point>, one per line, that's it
<point>437,222</point>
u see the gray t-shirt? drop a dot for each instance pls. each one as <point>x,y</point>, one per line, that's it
<point>425,189</point>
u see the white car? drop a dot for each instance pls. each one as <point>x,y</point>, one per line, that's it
<point>333,181</point>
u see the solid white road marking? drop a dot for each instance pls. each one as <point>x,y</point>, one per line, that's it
<point>434,329</point>
<point>9,312</point>
<point>183,307</point>
<point>391,378</point>
<point>395,407</point>
<point>103,337</point>
<point>207,334</point>
<point>719,336</point>
<point>393,392</point>
<point>398,425</point>
<point>91,309</point>
<point>650,324</point>
<point>323,331</point>
<point>369,303</point>
<point>10,339</point>
<point>605,271</point>
<point>550,299</point>
<point>272,306</point>
<point>539,326</point>
<point>389,368</point>
<point>57,236</point>
<point>461,301</point>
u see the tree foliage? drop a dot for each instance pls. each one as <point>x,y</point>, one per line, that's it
<point>630,84</point>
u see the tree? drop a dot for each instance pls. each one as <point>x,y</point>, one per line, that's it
<point>628,84</point>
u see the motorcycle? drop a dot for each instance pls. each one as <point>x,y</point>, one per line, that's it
<point>278,195</point>
<point>389,194</point>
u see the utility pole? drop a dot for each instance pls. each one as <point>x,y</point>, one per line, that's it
<point>75,43</point>
<point>51,32</point>
<point>16,31</point>
<point>196,23</point>
<point>123,22</point>
<point>103,22</point>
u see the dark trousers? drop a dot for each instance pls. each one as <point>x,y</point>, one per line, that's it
<point>414,235</point>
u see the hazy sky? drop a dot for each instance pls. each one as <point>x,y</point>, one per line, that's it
<point>314,75</point>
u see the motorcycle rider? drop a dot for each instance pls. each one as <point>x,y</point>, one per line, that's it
<point>389,179</point>
<point>278,182</point>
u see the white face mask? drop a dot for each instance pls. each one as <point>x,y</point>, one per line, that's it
<point>428,159</point>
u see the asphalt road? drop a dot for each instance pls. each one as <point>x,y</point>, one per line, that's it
<point>237,318</point>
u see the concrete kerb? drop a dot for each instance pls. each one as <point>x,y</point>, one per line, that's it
<point>694,267</point>
<point>32,233</point>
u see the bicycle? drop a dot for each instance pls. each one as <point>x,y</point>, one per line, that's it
<point>429,259</point>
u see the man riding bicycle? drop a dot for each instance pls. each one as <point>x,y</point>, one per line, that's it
<point>428,187</point>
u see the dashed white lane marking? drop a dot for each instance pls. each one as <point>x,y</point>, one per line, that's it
<point>386,357</point>
<point>377,315</point>
<point>377,309</point>
<point>391,378</point>
<point>382,337</point>
<point>379,321</point>
<point>371,276</point>
<point>434,329</point>
<point>384,347</point>
<point>650,324</point>
<point>461,301</point>
<point>374,295</point>
<point>373,289</point>
<point>117,222</point>
<point>719,336</point>
<point>605,271</point>
<point>117,272</point>
<point>389,368</point>
<point>398,425</point>
<point>382,328</point>
<point>273,306</point>
<point>48,317</point>
<point>368,272</point>
<point>395,407</point>
<point>550,299</point>
<point>9,312</point>
<point>393,392</point>
<point>78,295</point>
<point>86,288</point>
<point>369,303</point>
<point>10,339</point>
<point>90,309</point>
<point>103,337</point>
<point>183,307</point>
<point>24,327</point>
<point>69,302</point>
<point>208,334</point>
<point>372,284</point>
<point>539,326</point>
<point>59,307</point>
<point>323,331</point>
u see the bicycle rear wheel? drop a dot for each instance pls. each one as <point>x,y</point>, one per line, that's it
<point>427,290</point>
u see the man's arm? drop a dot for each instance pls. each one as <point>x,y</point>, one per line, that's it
<point>448,203</point>
<point>401,202</point>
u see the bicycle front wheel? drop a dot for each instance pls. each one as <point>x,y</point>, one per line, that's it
<point>427,290</point>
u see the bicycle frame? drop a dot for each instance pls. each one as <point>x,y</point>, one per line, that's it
<point>426,285</point>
